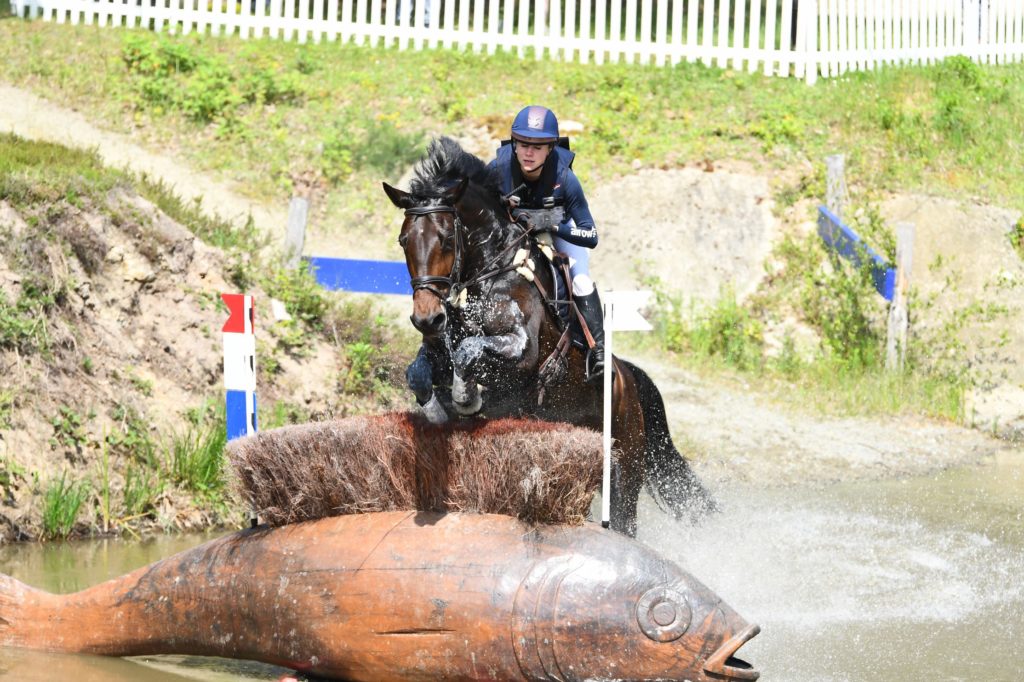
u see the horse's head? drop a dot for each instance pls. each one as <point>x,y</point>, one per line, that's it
<point>431,240</point>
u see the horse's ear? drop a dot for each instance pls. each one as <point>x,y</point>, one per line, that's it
<point>452,196</point>
<point>398,197</point>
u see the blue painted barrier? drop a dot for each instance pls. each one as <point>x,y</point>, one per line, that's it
<point>850,246</point>
<point>366,276</point>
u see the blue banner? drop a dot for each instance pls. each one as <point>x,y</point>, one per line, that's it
<point>365,276</point>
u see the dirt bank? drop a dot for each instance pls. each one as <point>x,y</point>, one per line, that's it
<point>697,231</point>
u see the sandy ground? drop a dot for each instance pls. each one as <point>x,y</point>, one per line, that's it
<point>697,231</point>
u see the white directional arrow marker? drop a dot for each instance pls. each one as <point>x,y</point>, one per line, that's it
<point>626,315</point>
<point>622,314</point>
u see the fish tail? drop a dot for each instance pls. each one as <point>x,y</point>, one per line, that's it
<point>14,597</point>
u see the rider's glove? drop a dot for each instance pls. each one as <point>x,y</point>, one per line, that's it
<point>539,221</point>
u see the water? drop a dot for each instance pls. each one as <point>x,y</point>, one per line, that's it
<point>920,579</point>
<point>72,566</point>
<point>910,580</point>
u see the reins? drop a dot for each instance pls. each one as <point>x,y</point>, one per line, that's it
<point>553,366</point>
<point>453,281</point>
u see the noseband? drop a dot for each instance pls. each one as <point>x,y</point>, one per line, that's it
<point>430,282</point>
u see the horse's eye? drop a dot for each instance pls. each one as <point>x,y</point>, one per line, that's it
<point>402,239</point>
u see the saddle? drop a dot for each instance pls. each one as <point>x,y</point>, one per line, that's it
<point>542,222</point>
<point>560,301</point>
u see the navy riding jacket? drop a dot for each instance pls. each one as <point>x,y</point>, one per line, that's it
<point>558,181</point>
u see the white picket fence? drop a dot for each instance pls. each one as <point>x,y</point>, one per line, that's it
<point>801,38</point>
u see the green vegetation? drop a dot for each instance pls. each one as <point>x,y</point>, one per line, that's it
<point>10,474</point>
<point>1017,237</point>
<point>69,430</point>
<point>62,502</point>
<point>7,404</point>
<point>23,323</point>
<point>271,112</point>
<point>195,459</point>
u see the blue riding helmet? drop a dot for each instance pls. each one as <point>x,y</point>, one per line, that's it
<point>535,124</point>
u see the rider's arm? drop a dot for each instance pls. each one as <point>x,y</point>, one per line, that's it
<point>578,227</point>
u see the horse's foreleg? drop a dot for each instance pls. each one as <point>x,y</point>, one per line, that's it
<point>475,356</point>
<point>422,375</point>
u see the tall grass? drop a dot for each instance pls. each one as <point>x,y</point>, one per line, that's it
<point>195,458</point>
<point>62,502</point>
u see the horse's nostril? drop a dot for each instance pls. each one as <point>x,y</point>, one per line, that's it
<point>429,323</point>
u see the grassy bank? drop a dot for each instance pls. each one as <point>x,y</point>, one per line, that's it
<point>337,119</point>
<point>108,425</point>
<point>274,113</point>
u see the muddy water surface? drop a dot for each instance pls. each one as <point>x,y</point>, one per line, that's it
<point>72,566</point>
<point>917,579</point>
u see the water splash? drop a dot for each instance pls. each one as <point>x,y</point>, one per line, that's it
<point>858,582</point>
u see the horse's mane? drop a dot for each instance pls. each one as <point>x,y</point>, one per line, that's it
<point>445,164</point>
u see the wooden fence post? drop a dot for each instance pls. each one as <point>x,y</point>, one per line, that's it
<point>298,210</point>
<point>835,184</point>
<point>899,318</point>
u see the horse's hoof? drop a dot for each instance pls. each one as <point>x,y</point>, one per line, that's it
<point>467,409</point>
<point>434,411</point>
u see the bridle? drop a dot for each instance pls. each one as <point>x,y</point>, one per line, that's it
<point>453,282</point>
<point>430,282</point>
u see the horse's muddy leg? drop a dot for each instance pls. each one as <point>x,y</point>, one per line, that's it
<point>466,394</point>
<point>626,484</point>
<point>477,354</point>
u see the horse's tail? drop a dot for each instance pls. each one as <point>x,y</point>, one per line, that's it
<point>670,480</point>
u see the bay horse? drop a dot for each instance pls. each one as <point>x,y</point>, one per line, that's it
<point>494,347</point>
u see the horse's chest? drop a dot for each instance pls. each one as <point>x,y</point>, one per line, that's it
<point>497,313</point>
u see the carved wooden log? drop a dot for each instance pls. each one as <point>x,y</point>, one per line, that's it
<point>404,596</point>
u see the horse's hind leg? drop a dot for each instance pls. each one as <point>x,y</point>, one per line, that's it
<point>628,430</point>
<point>626,486</point>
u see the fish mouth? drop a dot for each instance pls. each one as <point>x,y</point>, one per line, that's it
<point>723,665</point>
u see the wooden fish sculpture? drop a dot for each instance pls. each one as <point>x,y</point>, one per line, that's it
<point>404,596</point>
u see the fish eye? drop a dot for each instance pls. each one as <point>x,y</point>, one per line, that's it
<point>663,614</point>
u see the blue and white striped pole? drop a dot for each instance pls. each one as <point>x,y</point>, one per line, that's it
<point>240,366</point>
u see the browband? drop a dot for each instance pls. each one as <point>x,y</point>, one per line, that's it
<point>427,210</point>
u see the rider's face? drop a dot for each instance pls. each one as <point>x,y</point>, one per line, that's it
<point>531,158</point>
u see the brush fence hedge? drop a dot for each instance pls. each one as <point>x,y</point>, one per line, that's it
<point>800,38</point>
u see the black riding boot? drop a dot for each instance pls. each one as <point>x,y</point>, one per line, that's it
<point>593,315</point>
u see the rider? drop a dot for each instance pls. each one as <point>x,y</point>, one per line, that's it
<point>537,170</point>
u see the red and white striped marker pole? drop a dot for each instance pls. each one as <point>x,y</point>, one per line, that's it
<point>240,365</point>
